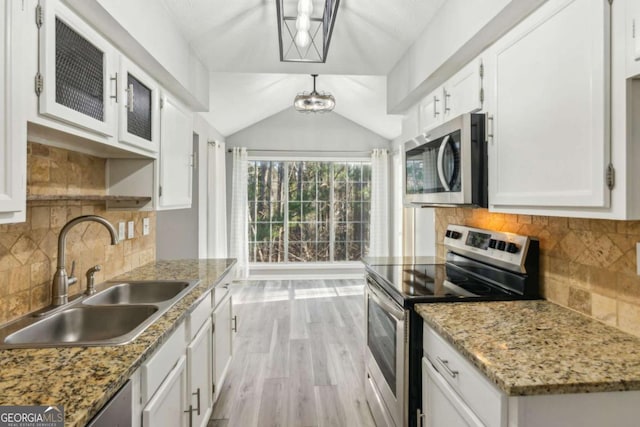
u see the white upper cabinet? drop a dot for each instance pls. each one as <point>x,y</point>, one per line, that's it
<point>632,37</point>
<point>13,122</point>
<point>549,143</point>
<point>176,158</point>
<point>139,105</point>
<point>77,71</point>
<point>463,93</point>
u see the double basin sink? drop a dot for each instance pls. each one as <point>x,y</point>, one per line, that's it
<point>114,316</point>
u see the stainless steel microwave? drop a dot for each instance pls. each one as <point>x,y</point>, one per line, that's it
<point>447,166</point>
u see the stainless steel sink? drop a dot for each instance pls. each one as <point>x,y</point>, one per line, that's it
<point>114,316</point>
<point>138,293</point>
<point>84,324</point>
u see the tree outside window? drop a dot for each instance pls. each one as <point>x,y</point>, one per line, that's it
<point>308,211</point>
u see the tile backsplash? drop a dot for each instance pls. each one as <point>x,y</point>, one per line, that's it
<point>28,251</point>
<point>586,264</point>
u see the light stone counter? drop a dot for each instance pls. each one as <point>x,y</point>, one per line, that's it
<point>537,347</point>
<point>83,379</point>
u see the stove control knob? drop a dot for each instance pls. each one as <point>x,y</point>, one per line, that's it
<point>492,243</point>
<point>448,233</point>
<point>501,245</point>
<point>456,235</point>
<point>512,248</point>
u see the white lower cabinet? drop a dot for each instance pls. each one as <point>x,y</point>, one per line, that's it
<point>199,362</point>
<point>168,407</point>
<point>224,323</point>
<point>440,404</point>
<point>175,386</point>
<point>455,393</point>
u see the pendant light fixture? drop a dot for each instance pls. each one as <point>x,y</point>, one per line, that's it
<point>314,101</point>
<point>304,32</point>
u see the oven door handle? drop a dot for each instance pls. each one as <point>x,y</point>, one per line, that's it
<point>439,164</point>
<point>386,303</point>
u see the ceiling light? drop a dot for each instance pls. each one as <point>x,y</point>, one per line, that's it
<point>305,7</point>
<point>302,39</point>
<point>314,102</point>
<point>303,23</point>
<point>318,28</point>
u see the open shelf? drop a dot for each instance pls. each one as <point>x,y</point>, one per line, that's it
<point>111,200</point>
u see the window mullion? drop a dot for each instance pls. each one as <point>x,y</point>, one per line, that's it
<point>285,200</point>
<point>332,226</point>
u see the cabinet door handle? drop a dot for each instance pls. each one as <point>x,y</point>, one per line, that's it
<point>235,324</point>
<point>419,417</point>
<point>490,128</point>
<point>435,106</point>
<point>447,95</point>
<point>197,393</point>
<point>130,98</point>
<point>115,80</point>
<point>190,411</point>
<point>445,365</point>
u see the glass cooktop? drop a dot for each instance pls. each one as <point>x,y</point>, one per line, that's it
<point>412,283</point>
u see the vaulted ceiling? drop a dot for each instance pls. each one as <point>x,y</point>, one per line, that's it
<point>238,41</point>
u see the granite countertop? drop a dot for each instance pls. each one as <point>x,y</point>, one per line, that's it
<point>537,347</point>
<point>83,379</point>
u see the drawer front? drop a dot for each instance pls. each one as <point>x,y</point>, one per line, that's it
<point>199,315</point>
<point>154,371</point>
<point>219,293</point>
<point>484,398</point>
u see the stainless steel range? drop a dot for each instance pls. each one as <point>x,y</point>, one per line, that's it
<point>481,265</point>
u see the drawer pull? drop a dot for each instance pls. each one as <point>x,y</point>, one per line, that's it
<point>234,328</point>
<point>445,365</point>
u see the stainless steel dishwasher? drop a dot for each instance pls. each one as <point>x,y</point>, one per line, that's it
<point>117,412</point>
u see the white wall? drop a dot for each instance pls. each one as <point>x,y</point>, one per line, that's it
<point>459,31</point>
<point>291,130</point>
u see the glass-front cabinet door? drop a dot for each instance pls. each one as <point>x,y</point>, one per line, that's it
<point>76,75</point>
<point>139,123</point>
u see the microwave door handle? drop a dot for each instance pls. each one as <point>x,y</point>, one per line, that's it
<point>439,163</point>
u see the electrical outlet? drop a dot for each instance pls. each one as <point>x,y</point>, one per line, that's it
<point>130,231</point>
<point>121,231</point>
<point>145,226</point>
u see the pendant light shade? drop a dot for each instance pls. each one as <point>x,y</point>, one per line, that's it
<point>314,101</point>
<point>305,28</point>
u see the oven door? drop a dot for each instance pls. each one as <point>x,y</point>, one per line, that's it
<point>386,357</point>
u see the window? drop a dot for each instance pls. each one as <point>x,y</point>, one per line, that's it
<point>308,211</point>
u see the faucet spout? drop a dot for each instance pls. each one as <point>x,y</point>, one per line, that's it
<point>60,285</point>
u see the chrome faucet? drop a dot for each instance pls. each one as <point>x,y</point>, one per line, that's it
<point>61,282</point>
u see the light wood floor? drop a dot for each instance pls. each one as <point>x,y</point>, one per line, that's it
<point>298,356</point>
